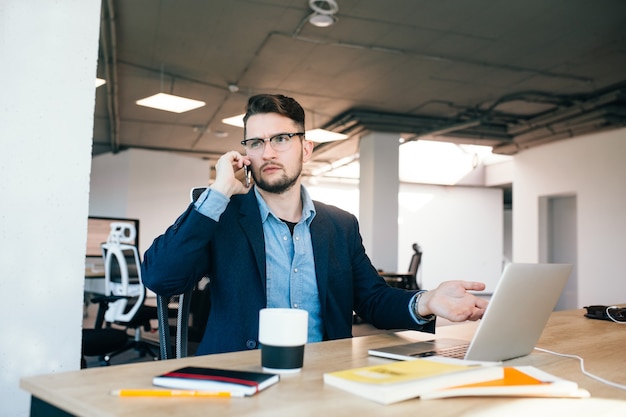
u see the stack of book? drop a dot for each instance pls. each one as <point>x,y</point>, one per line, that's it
<point>429,379</point>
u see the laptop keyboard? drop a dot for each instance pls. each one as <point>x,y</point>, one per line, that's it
<point>453,352</point>
<point>457,352</point>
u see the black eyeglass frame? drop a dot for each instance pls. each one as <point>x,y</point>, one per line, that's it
<point>289,135</point>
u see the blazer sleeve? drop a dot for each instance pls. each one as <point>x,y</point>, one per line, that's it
<point>177,259</point>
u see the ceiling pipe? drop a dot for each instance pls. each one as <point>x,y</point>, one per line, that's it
<point>566,113</point>
<point>547,136</point>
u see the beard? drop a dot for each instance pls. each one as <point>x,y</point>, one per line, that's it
<point>282,185</point>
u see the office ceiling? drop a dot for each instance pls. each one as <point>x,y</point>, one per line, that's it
<point>503,73</point>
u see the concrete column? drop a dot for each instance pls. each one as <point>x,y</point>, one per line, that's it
<point>378,198</point>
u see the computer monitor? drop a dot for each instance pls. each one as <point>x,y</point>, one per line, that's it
<point>98,229</point>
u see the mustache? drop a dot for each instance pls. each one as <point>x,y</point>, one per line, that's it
<point>272,165</point>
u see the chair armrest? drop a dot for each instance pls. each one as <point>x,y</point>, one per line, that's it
<point>103,304</point>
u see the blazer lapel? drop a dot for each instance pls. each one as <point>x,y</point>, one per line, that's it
<point>253,229</point>
<point>320,238</point>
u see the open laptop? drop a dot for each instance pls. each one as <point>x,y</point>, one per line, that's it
<point>513,321</point>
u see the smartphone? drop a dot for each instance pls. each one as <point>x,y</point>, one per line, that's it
<point>246,171</point>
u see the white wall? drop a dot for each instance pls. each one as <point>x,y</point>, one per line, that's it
<point>146,185</point>
<point>593,169</point>
<point>458,228</point>
<point>109,190</point>
<point>49,55</point>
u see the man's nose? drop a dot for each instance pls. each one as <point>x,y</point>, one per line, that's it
<point>268,151</point>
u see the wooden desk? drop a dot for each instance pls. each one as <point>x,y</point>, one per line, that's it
<point>86,392</point>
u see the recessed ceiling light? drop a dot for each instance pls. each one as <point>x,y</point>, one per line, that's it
<point>323,135</point>
<point>323,12</point>
<point>171,103</point>
<point>321,20</point>
<point>236,121</point>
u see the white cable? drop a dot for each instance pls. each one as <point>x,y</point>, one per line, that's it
<point>582,368</point>
<point>611,317</point>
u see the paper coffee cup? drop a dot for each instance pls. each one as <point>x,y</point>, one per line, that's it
<point>282,334</point>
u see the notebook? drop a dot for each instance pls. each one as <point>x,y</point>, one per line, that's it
<point>520,306</point>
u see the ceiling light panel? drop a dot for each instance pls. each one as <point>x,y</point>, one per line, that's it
<point>171,103</point>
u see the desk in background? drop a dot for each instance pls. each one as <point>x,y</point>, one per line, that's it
<point>86,392</point>
<point>94,280</point>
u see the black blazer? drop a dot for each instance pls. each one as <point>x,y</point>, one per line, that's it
<point>231,253</point>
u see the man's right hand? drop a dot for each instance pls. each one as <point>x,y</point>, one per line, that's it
<point>225,180</point>
<point>451,300</point>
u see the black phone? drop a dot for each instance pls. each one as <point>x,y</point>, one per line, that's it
<point>246,171</point>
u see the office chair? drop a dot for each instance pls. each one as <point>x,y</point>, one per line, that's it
<point>191,317</point>
<point>101,342</point>
<point>406,280</point>
<point>193,306</point>
<point>125,292</point>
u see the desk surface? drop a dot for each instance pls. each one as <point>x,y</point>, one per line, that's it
<point>86,392</point>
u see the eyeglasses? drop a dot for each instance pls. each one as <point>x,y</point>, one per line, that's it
<point>280,143</point>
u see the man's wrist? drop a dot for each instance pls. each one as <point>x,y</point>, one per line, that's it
<point>212,204</point>
<point>416,300</point>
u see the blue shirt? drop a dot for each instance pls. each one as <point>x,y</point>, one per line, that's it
<point>290,267</point>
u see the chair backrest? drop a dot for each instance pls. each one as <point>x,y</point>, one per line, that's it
<point>182,325</point>
<point>122,274</point>
<point>181,345</point>
<point>195,193</point>
<point>416,260</point>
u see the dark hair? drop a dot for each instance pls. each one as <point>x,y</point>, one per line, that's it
<point>274,103</point>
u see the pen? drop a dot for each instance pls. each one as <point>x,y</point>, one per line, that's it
<point>142,392</point>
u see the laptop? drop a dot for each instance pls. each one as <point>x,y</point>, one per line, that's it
<point>519,309</point>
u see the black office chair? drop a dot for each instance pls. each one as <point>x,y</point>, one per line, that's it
<point>125,292</point>
<point>406,280</point>
<point>101,342</point>
<point>192,313</point>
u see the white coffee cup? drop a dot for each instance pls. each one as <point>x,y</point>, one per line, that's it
<point>282,334</point>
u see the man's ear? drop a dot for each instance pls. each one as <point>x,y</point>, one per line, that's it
<point>307,150</point>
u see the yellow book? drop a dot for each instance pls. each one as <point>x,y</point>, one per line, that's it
<point>398,381</point>
<point>520,381</point>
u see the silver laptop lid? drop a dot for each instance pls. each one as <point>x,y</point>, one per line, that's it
<point>518,311</point>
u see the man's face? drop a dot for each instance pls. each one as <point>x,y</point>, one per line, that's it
<point>276,172</point>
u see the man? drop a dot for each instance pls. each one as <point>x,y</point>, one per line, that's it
<point>272,246</point>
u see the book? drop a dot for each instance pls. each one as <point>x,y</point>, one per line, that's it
<point>520,381</point>
<point>213,379</point>
<point>398,381</point>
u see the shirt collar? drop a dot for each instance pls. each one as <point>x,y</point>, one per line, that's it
<point>308,208</point>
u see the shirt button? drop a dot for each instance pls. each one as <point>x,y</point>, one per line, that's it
<point>297,238</point>
<point>251,344</point>
<point>284,237</point>
<point>295,270</point>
